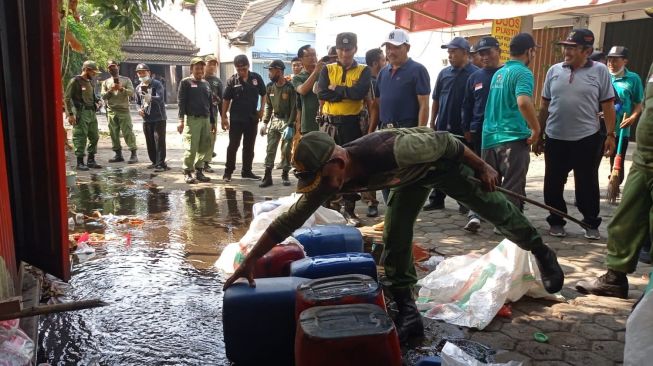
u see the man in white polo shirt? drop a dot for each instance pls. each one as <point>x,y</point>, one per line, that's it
<point>573,91</point>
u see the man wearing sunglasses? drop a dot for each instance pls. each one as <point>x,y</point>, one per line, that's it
<point>410,161</point>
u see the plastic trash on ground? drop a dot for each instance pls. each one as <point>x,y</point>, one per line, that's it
<point>84,248</point>
<point>17,350</point>
<point>265,213</point>
<point>8,329</point>
<point>469,290</point>
<point>639,331</point>
<point>452,355</point>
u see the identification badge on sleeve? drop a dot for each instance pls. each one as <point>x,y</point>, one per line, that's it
<point>254,82</point>
<point>478,86</point>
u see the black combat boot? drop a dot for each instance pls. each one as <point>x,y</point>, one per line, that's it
<point>80,164</point>
<point>248,174</point>
<point>207,167</point>
<point>284,178</point>
<point>350,214</point>
<point>409,320</point>
<point>200,176</point>
<point>133,159</point>
<point>188,177</point>
<point>552,275</point>
<point>267,179</point>
<point>91,163</point>
<point>117,158</point>
<point>612,283</point>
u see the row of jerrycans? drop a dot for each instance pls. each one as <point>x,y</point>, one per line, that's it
<point>326,309</point>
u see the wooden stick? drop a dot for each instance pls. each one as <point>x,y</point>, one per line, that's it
<point>536,203</point>
<point>55,308</point>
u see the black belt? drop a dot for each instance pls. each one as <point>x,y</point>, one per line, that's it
<point>279,116</point>
<point>197,116</point>
<point>334,120</point>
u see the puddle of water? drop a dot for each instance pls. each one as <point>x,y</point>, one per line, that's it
<point>165,294</point>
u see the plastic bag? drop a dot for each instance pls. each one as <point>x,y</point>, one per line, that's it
<point>469,290</point>
<point>264,213</point>
<point>8,329</point>
<point>452,355</point>
<point>17,350</point>
<point>639,331</point>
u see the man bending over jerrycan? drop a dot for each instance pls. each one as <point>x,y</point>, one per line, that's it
<point>410,161</point>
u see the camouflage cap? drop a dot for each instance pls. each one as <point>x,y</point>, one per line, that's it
<point>197,60</point>
<point>313,151</point>
<point>88,64</point>
<point>210,58</point>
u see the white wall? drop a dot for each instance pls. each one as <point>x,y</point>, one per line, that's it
<point>278,36</point>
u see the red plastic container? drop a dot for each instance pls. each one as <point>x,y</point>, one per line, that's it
<point>346,335</point>
<point>276,262</point>
<point>338,290</point>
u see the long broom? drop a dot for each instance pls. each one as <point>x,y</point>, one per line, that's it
<point>613,184</point>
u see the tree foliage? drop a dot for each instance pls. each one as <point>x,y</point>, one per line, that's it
<point>127,14</point>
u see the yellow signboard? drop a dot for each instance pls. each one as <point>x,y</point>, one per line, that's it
<point>503,30</point>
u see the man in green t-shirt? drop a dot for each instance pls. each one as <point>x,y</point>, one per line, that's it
<point>631,225</point>
<point>510,124</point>
<point>629,88</point>
<point>410,161</point>
<point>303,83</point>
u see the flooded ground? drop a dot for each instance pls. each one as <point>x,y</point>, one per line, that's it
<point>165,295</point>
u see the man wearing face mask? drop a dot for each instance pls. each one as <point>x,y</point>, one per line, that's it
<point>116,91</point>
<point>81,103</point>
<point>278,121</point>
<point>573,91</point>
<point>149,97</point>
<point>630,91</point>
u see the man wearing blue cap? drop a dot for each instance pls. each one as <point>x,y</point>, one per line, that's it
<point>447,98</point>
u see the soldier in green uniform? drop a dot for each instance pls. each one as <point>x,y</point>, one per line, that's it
<point>210,71</point>
<point>116,92</point>
<point>410,161</point>
<point>195,117</point>
<point>278,121</point>
<point>81,103</point>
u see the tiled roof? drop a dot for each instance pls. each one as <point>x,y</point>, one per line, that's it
<point>157,58</point>
<point>157,36</point>
<point>226,13</point>
<point>257,13</point>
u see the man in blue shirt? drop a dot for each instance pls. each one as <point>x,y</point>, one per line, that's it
<point>473,112</point>
<point>448,100</point>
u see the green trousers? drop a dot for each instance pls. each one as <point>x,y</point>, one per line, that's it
<point>631,225</point>
<point>85,129</point>
<point>121,121</point>
<point>209,155</point>
<point>405,204</point>
<point>197,142</point>
<point>275,131</point>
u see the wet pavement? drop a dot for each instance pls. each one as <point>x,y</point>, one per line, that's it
<point>166,294</point>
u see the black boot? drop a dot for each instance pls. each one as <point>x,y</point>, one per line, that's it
<point>284,178</point>
<point>409,320</point>
<point>248,174</point>
<point>612,283</point>
<point>350,214</point>
<point>133,159</point>
<point>117,158</point>
<point>80,164</point>
<point>200,176</point>
<point>207,167</point>
<point>91,162</point>
<point>267,179</point>
<point>552,275</point>
<point>189,177</point>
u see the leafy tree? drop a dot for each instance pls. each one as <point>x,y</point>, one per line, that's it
<point>127,14</point>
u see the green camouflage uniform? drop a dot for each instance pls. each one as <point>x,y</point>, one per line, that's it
<point>118,112</point>
<point>80,101</point>
<point>280,110</point>
<point>216,105</point>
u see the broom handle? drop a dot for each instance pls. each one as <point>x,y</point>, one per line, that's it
<point>534,202</point>
<point>621,135</point>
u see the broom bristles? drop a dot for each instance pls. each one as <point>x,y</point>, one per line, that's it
<point>613,184</point>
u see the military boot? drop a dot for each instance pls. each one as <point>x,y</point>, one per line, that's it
<point>552,275</point>
<point>188,177</point>
<point>200,175</point>
<point>612,283</point>
<point>350,214</point>
<point>80,164</point>
<point>117,158</point>
<point>267,178</point>
<point>133,159</point>
<point>409,320</point>
<point>207,167</point>
<point>284,178</point>
<point>91,163</point>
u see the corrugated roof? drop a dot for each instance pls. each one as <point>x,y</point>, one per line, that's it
<point>159,37</point>
<point>157,58</point>
<point>226,13</point>
<point>257,13</point>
